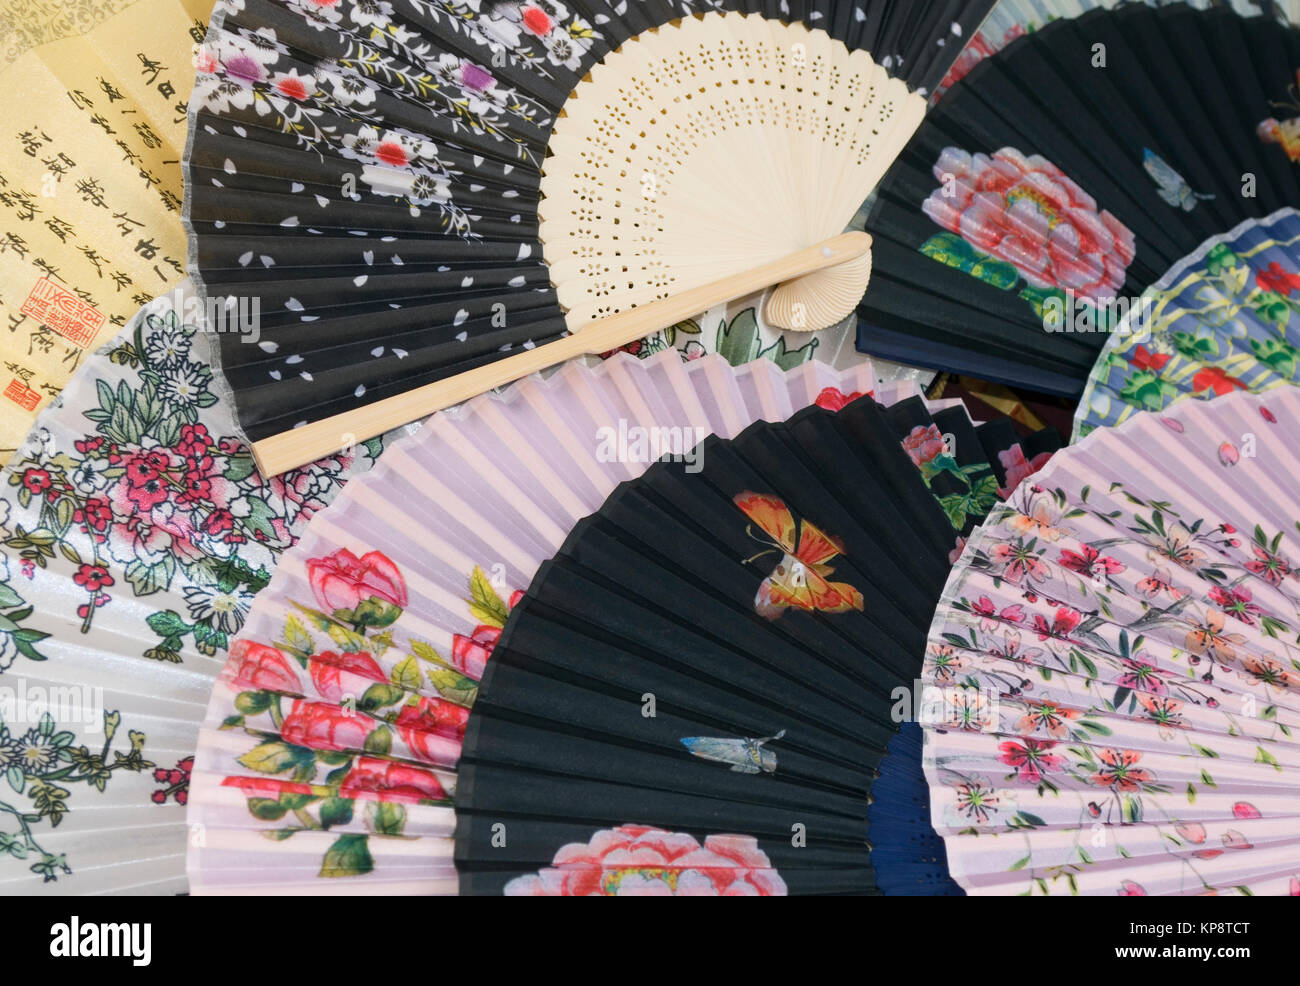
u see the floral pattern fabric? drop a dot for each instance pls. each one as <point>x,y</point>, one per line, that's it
<point>134,532</point>
<point>1218,322</point>
<point>1112,671</point>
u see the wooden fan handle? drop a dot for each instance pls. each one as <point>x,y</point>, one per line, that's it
<point>299,446</point>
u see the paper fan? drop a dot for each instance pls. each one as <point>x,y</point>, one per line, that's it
<point>1217,322</point>
<point>134,533</point>
<point>1067,173</point>
<point>1112,673</point>
<point>368,175</point>
<point>338,720</point>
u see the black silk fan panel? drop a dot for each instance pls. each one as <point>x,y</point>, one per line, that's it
<point>1090,155</point>
<point>710,659</point>
<point>369,175</point>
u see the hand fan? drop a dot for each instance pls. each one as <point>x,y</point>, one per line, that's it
<point>1111,676</point>
<point>134,533</point>
<point>1217,322</point>
<point>1008,20</point>
<point>372,628</point>
<point>1065,175</point>
<point>369,179</point>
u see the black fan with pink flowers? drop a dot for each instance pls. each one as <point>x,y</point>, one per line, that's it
<point>1067,173</point>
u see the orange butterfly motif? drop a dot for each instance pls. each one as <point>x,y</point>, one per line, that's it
<point>799,579</point>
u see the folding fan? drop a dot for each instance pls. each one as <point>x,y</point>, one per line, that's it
<point>134,532</point>
<point>338,721</point>
<point>371,177</point>
<point>967,467</point>
<point>1067,173</point>
<point>1217,322</point>
<point>1111,678</point>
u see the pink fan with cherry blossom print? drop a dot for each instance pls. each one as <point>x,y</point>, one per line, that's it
<point>1114,679</point>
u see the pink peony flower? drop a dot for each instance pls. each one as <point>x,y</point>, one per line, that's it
<point>1027,212</point>
<point>429,745</point>
<point>636,860</point>
<point>325,727</point>
<point>434,714</point>
<point>327,667</point>
<point>383,780</point>
<point>469,655</point>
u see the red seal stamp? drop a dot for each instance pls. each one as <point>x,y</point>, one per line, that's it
<point>22,395</point>
<point>64,312</point>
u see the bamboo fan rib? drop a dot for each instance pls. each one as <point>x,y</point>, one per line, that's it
<point>632,208</point>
